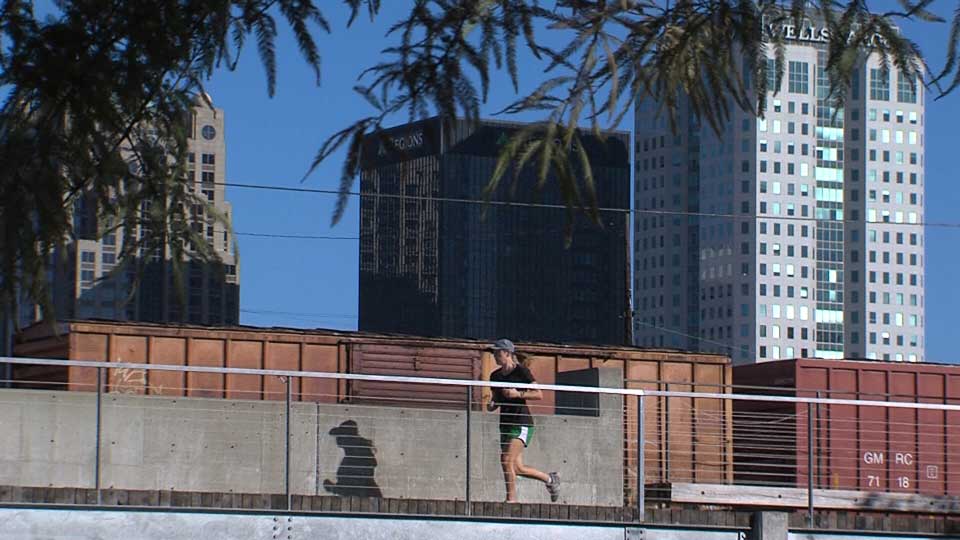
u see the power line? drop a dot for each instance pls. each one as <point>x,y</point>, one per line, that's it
<point>654,212</point>
<point>742,348</point>
<point>312,316</point>
<point>296,236</point>
<point>646,212</point>
<point>299,314</point>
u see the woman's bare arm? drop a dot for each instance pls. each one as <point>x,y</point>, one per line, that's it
<point>531,394</point>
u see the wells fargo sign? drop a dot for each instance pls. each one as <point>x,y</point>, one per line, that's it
<point>812,33</point>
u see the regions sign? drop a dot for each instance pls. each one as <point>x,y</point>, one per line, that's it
<point>408,141</point>
<point>403,143</point>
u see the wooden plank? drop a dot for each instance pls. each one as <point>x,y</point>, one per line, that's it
<point>526,511</point>
<point>142,498</point>
<point>9,494</point>
<point>823,498</point>
<point>180,499</point>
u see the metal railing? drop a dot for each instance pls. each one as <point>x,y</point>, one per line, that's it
<point>273,432</point>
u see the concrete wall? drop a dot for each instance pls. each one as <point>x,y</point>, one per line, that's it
<point>47,438</point>
<point>120,524</point>
<point>192,444</point>
<point>37,524</point>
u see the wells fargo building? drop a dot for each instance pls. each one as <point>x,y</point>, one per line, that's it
<point>436,262</point>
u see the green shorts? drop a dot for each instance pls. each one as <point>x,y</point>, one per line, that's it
<point>509,433</point>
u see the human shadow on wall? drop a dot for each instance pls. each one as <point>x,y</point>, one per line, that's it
<point>355,475</point>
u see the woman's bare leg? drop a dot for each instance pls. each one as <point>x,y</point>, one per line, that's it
<point>525,470</point>
<point>507,457</point>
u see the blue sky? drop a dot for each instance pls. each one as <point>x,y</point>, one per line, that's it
<point>313,283</point>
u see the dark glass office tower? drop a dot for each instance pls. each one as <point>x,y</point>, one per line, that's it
<point>432,263</point>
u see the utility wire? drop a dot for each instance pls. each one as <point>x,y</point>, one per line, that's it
<point>646,212</point>
<point>742,348</point>
<point>654,212</point>
<point>310,316</point>
<point>301,314</point>
<point>306,315</point>
<point>296,236</point>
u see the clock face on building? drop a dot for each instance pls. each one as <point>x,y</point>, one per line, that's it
<point>208,132</point>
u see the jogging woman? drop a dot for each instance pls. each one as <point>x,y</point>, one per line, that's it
<point>516,423</point>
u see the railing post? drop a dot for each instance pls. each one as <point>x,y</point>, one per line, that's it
<point>286,447</point>
<point>641,476</point>
<point>469,511</point>
<point>810,462</point>
<point>664,434</point>
<point>99,436</point>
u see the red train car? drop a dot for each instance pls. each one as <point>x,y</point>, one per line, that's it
<point>854,447</point>
<point>690,438</point>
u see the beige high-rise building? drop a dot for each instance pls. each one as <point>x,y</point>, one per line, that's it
<point>794,235</point>
<point>84,289</point>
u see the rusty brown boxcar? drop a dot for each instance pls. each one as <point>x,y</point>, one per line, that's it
<point>689,440</point>
<point>853,447</point>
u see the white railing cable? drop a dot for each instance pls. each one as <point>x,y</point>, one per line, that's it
<point>472,383</point>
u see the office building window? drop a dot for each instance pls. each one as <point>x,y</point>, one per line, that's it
<point>772,75</point>
<point>880,85</point>
<point>799,78</point>
<point>906,92</point>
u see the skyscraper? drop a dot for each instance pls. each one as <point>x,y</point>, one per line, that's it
<point>80,274</point>
<point>435,262</point>
<point>793,235</point>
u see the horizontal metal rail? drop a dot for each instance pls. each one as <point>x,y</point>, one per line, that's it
<point>784,389</point>
<point>315,375</point>
<point>472,383</point>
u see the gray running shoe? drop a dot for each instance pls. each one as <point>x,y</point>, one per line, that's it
<point>553,487</point>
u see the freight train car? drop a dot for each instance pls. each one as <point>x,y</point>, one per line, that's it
<point>858,448</point>
<point>688,439</point>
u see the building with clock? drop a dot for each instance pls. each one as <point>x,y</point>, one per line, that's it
<point>84,279</point>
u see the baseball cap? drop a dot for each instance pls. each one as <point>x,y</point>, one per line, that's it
<point>504,345</point>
